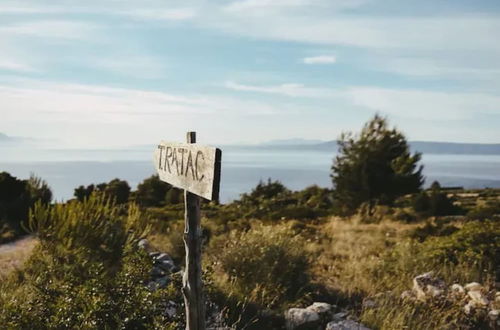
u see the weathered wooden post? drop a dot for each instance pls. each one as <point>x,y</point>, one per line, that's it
<point>192,286</point>
<point>196,169</point>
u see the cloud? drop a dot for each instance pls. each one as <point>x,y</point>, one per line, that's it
<point>14,65</point>
<point>289,89</point>
<point>405,103</point>
<point>137,66</point>
<point>422,104</point>
<point>63,29</point>
<point>46,101</point>
<point>176,14</point>
<point>323,59</point>
<point>280,5</point>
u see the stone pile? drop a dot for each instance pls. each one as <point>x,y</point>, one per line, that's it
<point>163,266</point>
<point>474,296</point>
<point>320,316</point>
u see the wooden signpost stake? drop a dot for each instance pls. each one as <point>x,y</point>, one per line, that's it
<point>196,169</point>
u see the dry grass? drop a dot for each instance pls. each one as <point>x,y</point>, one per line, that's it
<point>14,254</point>
<point>347,250</point>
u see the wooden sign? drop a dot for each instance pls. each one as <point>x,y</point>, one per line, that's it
<point>191,167</point>
<point>196,169</point>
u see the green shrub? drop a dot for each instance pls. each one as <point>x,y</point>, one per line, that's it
<point>87,272</point>
<point>434,203</point>
<point>429,229</point>
<point>482,212</point>
<point>16,198</point>
<point>266,266</point>
<point>117,189</point>
<point>476,243</point>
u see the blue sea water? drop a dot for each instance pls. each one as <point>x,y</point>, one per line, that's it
<point>242,168</point>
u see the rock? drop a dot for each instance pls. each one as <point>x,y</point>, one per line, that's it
<point>457,289</point>
<point>154,254</point>
<point>324,310</point>
<point>302,319</point>
<point>493,314</point>
<point>497,297</point>
<point>434,291</point>
<point>320,308</point>
<point>166,265</point>
<point>340,316</point>
<point>407,295</point>
<point>171,309</point>
<point>144,244</point>
<point>426,285</point>
<point>473,286</point>
<point>157,272</point>
<point>369,303</point>
<point>469,307</point>
<point>345,325</point>
<point>478,298</point>
<point>164,257</point>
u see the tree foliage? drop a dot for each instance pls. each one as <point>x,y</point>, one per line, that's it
<point>154,192</point>
<point>16,198</point>
<point>116,188</point>
<point>434,202</point>
<point>374,167</point>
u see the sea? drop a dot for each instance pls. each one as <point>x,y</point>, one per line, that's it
<point>242,168</point>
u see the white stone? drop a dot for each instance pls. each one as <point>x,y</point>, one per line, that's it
<point>434,291</point>
<point>457,288</point>
<point>427,285</point>
<point>320,307</point>
<point>473,286</point>
<point>493,314</point>
<point>408,294</point>
<point>469,307</point>
<point>301,317</point>
<point>478,298</point>
<point>345,325</point>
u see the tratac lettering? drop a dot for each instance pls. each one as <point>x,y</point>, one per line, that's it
<point>182,151</point>
<point>159,158</point>
<point>198,154</point>
<point>183,161</point>
<point>174,160</point>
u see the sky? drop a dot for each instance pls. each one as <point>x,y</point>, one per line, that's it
<point>100,74</point>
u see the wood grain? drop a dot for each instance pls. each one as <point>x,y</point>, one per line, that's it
<point>192,167</point>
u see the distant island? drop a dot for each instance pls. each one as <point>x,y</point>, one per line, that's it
<point>425,147</point>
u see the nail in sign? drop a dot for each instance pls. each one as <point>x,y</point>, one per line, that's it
<point>192,167</point>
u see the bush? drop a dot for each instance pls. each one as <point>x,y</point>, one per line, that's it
<point>152,192</point>
<point>476,243</point>
<point>265,266</point>
<point>87,272</point>
<point>430,229</point>
<point>482,212</point>
<point>435,203</point>
<point>16,198</point>
<point>116,188</point>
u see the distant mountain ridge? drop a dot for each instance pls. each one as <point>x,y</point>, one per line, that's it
<point>425,147</point>
<point>4,137</point>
